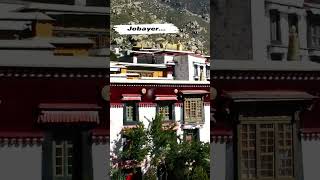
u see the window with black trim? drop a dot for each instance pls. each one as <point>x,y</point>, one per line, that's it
<point>208,72</point>
<point>275,30</point>
<point>196,72</point>
<point>62,159</point>
<point>166,110</point>
<point>293,21</point>
<point>193,110</point>
<point>191,135</point>
<point>66,154</point>
<point>130,113</point>
<point>265,150</point>
<point>314,31</point>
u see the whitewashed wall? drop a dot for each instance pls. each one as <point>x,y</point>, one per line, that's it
<point>116,124</point>
<point>178,118</point>
<point>192,60</point>
<point>310,159</point>
<point>145,114</point>
<point>100,161</point>
<point>21,162</point>
<point>181,69</point>
<point>222,161</point>
<point>205,130</point>
<point>218,161</point>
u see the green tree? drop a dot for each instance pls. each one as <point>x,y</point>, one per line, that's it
<point>169,155</point>
<point>136,145</point>
<point>134,150</point>
<point>199,173</point>
<point>162,140</point>
<point>186,157</point>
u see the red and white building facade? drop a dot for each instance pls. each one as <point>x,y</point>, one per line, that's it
<point>177,93</point>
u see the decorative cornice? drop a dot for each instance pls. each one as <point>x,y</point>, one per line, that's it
<point>21,141</point>
<point>51,73</point>
<point>100,139</point>
<point>116,105</point>
<point>310,134</point>
<point>159,85</point>
<point>178,104</point>
<point>147,104</point>
<point>264,75</point>
<point>37,141</point>
<point>221,138</point>
<point>265,118</point>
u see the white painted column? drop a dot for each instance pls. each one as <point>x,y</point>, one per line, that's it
<point>268,30</point>
<point>302,27</point>
<point>284,27</point>
<point>198,67</point>
<point>205,72</point>
<point>135,59</point>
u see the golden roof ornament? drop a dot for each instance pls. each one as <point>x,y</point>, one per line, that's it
<point>293,46</point>
<point>179,46</point>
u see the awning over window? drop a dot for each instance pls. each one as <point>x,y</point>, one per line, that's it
<point>68,113</point>
<point>131,97</point>
<point>68,106</point>
<point>244,96</point>
<point>166,98</point>
<point>195,92</point>
<point>68,116</point>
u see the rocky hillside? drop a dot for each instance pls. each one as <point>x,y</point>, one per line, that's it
<point>199,7</point>
<point>191,17</point>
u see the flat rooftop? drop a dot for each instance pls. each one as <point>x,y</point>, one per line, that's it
<point>268,65</point>
<point>157,81</point>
